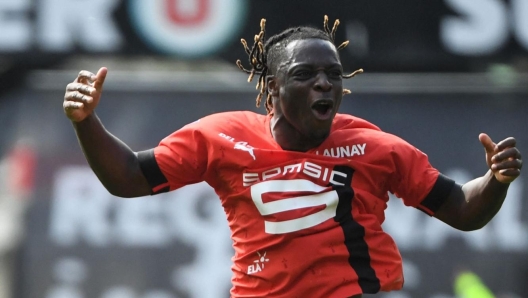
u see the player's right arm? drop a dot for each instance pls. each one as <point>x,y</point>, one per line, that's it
<point>114,163</point>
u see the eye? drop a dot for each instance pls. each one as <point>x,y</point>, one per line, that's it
<point>303,74</point>
<point>335,73</point>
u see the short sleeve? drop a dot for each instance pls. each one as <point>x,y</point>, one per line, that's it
<point>179,159</point>
<point>415,181</point>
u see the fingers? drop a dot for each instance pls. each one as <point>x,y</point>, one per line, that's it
<point>510,172</point>
<point>506,154</point>
<point>507,162</point>
<point>85,77</point>
<point>83,94</point>
<point>488,144</point>
<point>77,96</point>
<point>79,92</point>
<point>72,105</point>
<point>100,78</point>
<point>515,164</point>
<point>508,142</point>
<point>86,85</point>
<point>88,78</point>
<point>81,88</point>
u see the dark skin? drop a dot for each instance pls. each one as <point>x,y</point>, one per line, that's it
<point>309,74</point>
<point>114,163</point>
<point>471,206</point>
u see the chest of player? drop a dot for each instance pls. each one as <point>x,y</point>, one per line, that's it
<point>282,192</point>
<point>240,165</point>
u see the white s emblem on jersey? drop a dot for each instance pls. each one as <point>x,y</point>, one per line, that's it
<point>320,197</point>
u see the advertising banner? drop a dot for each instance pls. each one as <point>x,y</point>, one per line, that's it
<point>411,35</point>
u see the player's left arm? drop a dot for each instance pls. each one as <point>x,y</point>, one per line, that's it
<point>472,205</point>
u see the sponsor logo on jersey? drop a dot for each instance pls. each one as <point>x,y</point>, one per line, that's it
<point>324,174</point>
<point>344,151</point>
<point>258,264</point>
<point>245,147</point>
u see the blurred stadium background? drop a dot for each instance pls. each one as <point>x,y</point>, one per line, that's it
<point>438,73</point>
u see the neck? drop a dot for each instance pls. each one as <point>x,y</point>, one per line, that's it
<point>289,138</point>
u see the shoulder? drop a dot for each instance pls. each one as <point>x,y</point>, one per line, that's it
<point>233,118</point>
<point>217,128</point>
<point>231,126</point>
<point>345,122</point>
<point>348,125</point>
<point>228,121</point>
<point>354,127</point>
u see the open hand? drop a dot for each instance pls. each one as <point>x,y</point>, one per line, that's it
<point>83,94</point>
<point>503,158</point>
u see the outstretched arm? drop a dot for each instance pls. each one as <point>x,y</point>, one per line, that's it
<point>114,163</point>
<point>472,205</point>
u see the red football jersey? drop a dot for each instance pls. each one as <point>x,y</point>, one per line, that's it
<point>303,224</point>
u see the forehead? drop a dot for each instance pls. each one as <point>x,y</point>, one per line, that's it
<point>311,51</point>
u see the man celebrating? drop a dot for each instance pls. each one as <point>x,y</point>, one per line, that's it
<point>318,215</point>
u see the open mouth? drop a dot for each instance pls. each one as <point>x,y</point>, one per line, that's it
<point>323,108</point>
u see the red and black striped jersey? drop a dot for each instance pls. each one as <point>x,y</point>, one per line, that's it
<point>303,224</point>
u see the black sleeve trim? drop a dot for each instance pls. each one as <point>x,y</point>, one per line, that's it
<point>438,194</point>
<point>149,166</point>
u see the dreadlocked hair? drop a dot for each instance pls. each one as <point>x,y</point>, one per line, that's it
<point>264,54</point>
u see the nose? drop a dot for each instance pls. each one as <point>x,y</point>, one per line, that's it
<point>322,83</point>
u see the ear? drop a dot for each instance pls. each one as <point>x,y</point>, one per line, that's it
<point>273,86</point>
